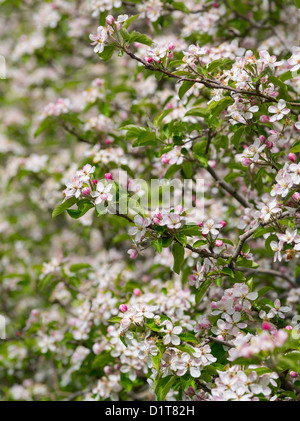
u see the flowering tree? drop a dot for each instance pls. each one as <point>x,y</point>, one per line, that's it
<point>112,298</point>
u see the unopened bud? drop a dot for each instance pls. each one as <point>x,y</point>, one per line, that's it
<point>266,326</point>
<point>110,20</point>
<point>292,157</point>
<point>85,191</point>
<point>246,162</point>
<point>123,308</point>
<point>296,196</point>
<point>171,46</point>
<point>137,292</point>
<point>97,348</point>
<point>264,119</point>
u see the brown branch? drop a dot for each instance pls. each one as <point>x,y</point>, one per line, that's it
<point>228,188</point>
<point>209,83</point>
<point>273,272</point>
<point>80,138</point>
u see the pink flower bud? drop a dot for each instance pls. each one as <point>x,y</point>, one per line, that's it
<point>266,326</point>
<point>291,204</point>
<point>292,157</point>
<point>132,254</point>
<point>190,391</point>
<point>213,305</point>
<point>108,370</point>
<point>270,145</point>
<point>246,162</point>
<point>293,374</point>
<point>118,26</point>
<point>85,191</point>
<point>219,243</point>
<point>95,181</point>
<point>171,46</point>
<point>238,307</point>
<point>296,196</point>
<point>216,5</point>
<point>148,60</point>
<point>137,292</point>
<point>200,224</point>
<point>164,159</point>
<point>108,176</point>
<point>288,327</point>
<point>178,208</point>
<point>169,106</point>
<point>123,308</point>
<point>262,139</point>
<point>223,223</point>
<point>110,20</point>
<point>108,141</point>
<point>264,119</point>
<point>204,235</point>
<point>97,348</point>
<point>212,163</point>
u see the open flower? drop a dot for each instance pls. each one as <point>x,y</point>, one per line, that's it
<point>99,39</point>
<point>278,110</point>
<point>172,333</point>
<point>139,229</point>
<point>102,193</point>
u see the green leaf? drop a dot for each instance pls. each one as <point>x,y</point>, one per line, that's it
<point>78,266</point>
<point>199,243</point>
<point>160,116</point>
<point>107,53</point>
<point>188,337</point>
<point>64,206</point>
<point>124,33</point>
<point>78,213</point>
<point>296,147</point>
<point>261,231</point>
<point>197,111</point>
<point>45,124</point>
<point>178,5</point>
<point>242,262</point>
<point>263,291</point>
<point>115,319</point>
<point>235,140</point>
<point>228,272</point>
<point>186,85</point>
<point>202,290</point>
<point>157,244</point>
<point>102,360</point>
<point>141,38</point>
<point>145,139</point>
<point>268,242</point>
<point>128,22</point>
<point>222,62</point>
<point>133,132</point>
<point>178,254</point>
<point>162,392</point>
